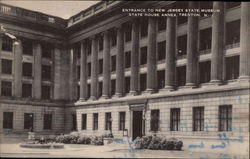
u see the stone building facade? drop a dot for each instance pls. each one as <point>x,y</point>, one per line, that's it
<point>104,71</point>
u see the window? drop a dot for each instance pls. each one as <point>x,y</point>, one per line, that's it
<point>181,20</point>
<point>233,32</point>
<point>143,55</point>
<point>46,72</point>
<point>74,122</point>
<point>88,43</point>
<point>127,59</point>
<point>161,23</point>
<point>154,123</point>
<point>100,64</point>
<point>84,121</point>
<point>6,66</point>
<point>161,50</point>
<point>78,72</point>
<point>47,122</point>
<point>27,47</point>
<point>95,121</point>
<point>175,119</point>
<point>113,38</point>
<point>205,70</point>
<point>198,118</point>
<point>100,42</point>
<point>45,92</point>
<point>181,75</point>
<point>8,120</point>
<point>205,39</point>
<point>100,85</point>
<point>26,90</point>
<point>127,84</point>
<point>122,120</point>
<point>144,28</point>
<point>89,69</point>
<point>46,50</point>
<point>6,89</point>
<point>128,32</point>
<point>161,79</point>
<point>232,67</point>
<point>88,91</point>
<point>225,118</point>
<point>232,4</point>
<point>78,92</point>
<point>6,43</point>
<point>27,69</point>
<point>113,63</point>
<point>182,45</point>
<point>28,121</point>
<point>113,87</point>
<point>107,121</point>
<point>143,82</point>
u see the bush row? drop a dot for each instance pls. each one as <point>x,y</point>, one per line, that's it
<point>158,143</point>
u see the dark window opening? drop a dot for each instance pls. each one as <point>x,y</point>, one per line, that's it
<point>46,72</point>
<point>113,63</point>
<point>78,92</point>
<point>113,38</point>
<point>47,122</point>
<point>205,39</point>
<point>175,119</point>
<point>100,64</point>
<point>78,72</point>
<point>233,32</point>
<point>89,69</point>
<point>8,120</point>
<point>27,47</point>
<point>100,86</point>
<point>232,67</point>
<point>100,43</point>
<point>161,79</point>
<point>6,43</point>
<point>182,45</point>
<point>28,121</point>
<point>181,75</point>
<point>122,120</point>
<point>26,90</point>
<point>88,43</point>
<point>6,66</point>
<point>74,122</point>
<point>144,28</point>
<point>107,121</point>
<point>88,91</point>
<point>161,50</point>
<point>112,87</point>
<point>232,4</point>
<point>198,118</point>
<point>205,70</point>
<point>128,32</point>
<point>6,89</point>
<point>143,82</point>
<point>154,123</point>
<point>127,59</point>
<point>127,84</point>
<point>47,50</point>
<point>143,55</point>
<point>95,121</point>
<point>225,118</point>
<point>45,92</point>
<point>84,121</point>
<point>161,23</point>
<point>27,69</point>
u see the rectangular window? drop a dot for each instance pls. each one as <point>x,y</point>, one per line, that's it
<point>127,84</point>
<point>154,123</point>
<point>113,38</point>
<point>88,43</point>
<point>74,122</point>
<point>205,39</point>
<point>46,72</point>
<point>175,119</point>
<point>6,43</point>
<point>45,92</point>
<point>6,89</point>
<point>47,50</point>
<point>28,120</point>
<point>144,28</point>
<point>232,67</point>
<point>232,4</point>
<point>181,20</point>
<point>205,70</point>
<point>78,92</point>
<point>6,66</point>
<point>161,23</point>
<point>161,50</point>
<point>100,42</point>
<point>78,72</point>
<point>225,118</point>
<point>161,79</point>
<point>100,64</point>
<point>95,121</point>
<point>88,91</point>
<point>8,120</point>
<point>181,75</point>
<point>143,55</point>
<point>26,90</point>
<point>84,121</point>
<point>112,87</point>
<point>143,82</point>
<point>198,118</point>
<point>27,47</point>
<point>127,59</point>
<point>27,69</point>
<point>122,120</point>
<point>47,122</point>
<point>233,32</point>
<point>113,63</point>
<point>107,121</point>
<point>100,85</point>
<point>128,32</point>
<point>182,45</point>
<point>89,69</point>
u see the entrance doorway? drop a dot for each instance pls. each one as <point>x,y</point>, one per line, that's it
<point>137,124</point>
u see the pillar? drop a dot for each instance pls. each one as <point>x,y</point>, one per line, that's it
<point>0,61</point>
<point>37,85</point>
<point>94,73</point>
<point>72,76</point>
<point>18,51</point>
<point>83,73</point>
<point>57,73</point>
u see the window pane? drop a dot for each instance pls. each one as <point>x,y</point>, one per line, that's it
<point>7,120</point>
<point>47,121</point>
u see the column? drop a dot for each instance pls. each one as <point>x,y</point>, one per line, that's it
<point>0,61</point>
<point>57,72</point>
<point>151,56</point>
<point>37,53</point>
<point>18,51</point>
<point>94,73</point>
<point>83,73</point>
<point>72,76</point>
<point>245,41</point>
<point>134,80</point>
<point>106,66</point>
<point>120,63</point>
<point>192,48</point>
<point>170,53</point>
<point>217,43</point>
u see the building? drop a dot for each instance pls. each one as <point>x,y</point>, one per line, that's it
<point>103,70</point>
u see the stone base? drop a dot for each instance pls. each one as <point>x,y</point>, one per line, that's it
<point>215,82</point>
<point>133,93</point>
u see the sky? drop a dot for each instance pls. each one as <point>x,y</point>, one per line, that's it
<point>59,8</point>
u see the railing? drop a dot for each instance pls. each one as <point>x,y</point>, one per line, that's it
<point>20,12</point>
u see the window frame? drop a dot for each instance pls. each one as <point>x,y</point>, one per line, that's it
<point>198,120</point>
